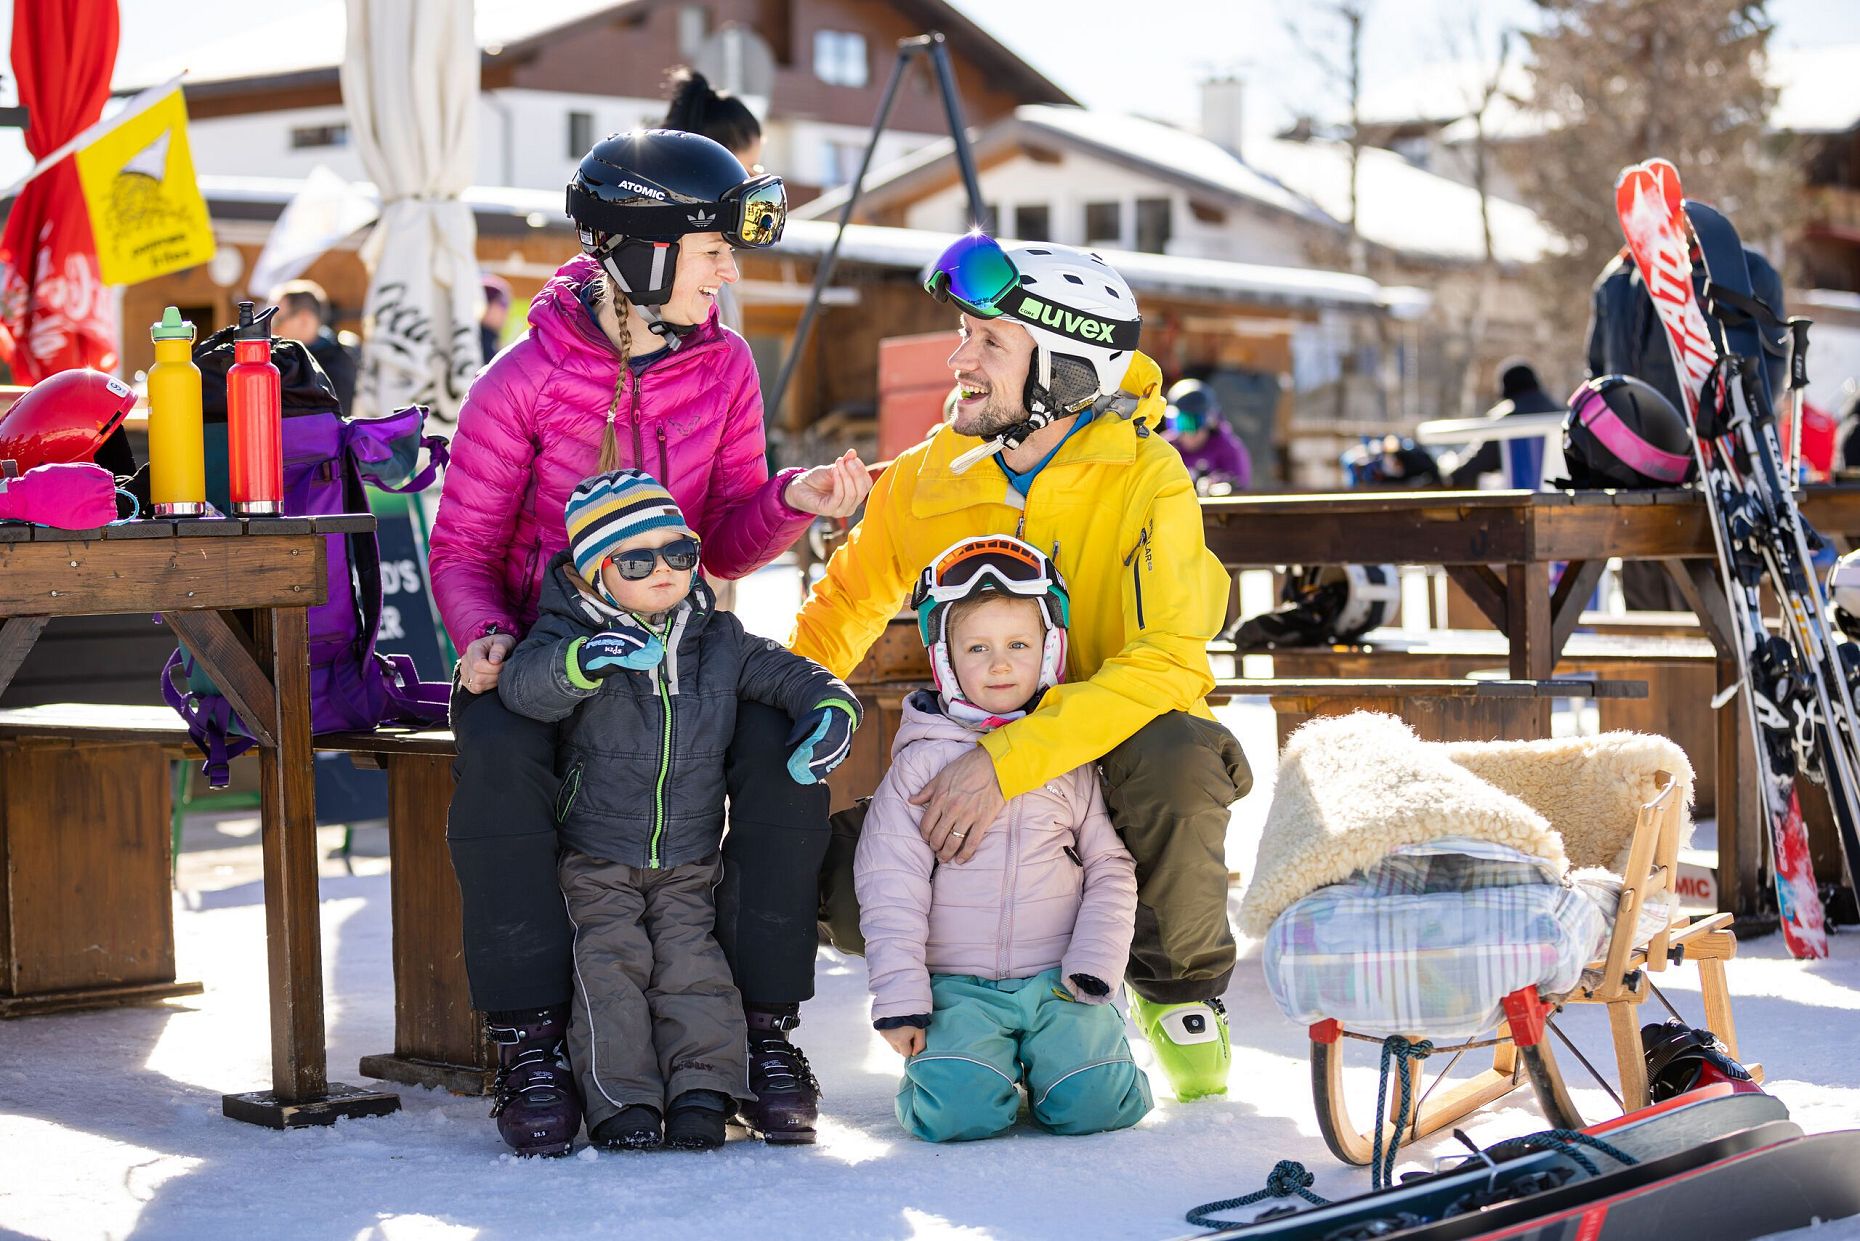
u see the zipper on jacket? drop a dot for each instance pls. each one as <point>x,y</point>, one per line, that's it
<point>1136,570</point>
<point>571,787</point>
<point>665,762</point>
<point>1010,876</point>
<point>639,448</point>
<point>665,468</point>
<point>529,562</point>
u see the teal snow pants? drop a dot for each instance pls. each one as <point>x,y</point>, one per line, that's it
<point>988,1037</point>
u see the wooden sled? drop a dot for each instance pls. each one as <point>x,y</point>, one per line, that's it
<point>1522,1048</point>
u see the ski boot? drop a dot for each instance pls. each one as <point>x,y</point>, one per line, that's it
<point>787,1096</point>
<point>1682,1058</point>
<point>537,1108</point>
<point>1190,1041</point>
<point>696,1120</point>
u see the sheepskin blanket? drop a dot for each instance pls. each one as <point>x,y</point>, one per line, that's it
<point>1591,789</point>
<point>1353,787</point>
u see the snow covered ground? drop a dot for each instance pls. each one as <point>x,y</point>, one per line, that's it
<point>110,1121</point>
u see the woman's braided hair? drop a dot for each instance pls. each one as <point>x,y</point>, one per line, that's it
<point>610,440</point>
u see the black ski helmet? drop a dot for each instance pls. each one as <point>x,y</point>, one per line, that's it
<point>1622,432</point>
<point>637,193</point>
<point>1324,604</point>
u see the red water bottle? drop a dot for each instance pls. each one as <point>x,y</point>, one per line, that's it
<point>255,419</point>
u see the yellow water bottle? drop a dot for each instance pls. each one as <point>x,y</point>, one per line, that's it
<point>177,458</point>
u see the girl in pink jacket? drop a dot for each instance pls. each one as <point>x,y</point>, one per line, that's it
<point>624,364</point>
<point>997,973</point>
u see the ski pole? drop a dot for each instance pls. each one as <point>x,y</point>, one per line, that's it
<point>1797,345</point>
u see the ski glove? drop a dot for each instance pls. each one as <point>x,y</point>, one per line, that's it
<point>590,660</point>
<point>821,740</point>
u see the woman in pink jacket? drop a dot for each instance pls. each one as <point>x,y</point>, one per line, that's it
<point>998,971</point>
<point>624,364</point>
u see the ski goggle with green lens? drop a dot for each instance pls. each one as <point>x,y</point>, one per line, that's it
<point>680,555</point>
<point>978,276</point>
<point>750,215</point>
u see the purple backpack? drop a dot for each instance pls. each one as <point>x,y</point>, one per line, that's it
<point>353,687</point>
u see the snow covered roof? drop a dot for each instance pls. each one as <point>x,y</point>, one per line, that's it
<point>1400,207</point>
<point>1403,208</point>
<point>1158,273</point>
<point>915,249</point>
<point>312,36</point>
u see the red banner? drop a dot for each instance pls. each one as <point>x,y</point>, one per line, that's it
<point>55,310</point>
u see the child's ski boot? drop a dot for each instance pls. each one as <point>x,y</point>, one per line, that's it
<point>635,1127</point>
<point>787,1096</point>
<point>537,1108</point>
<point>696,1120</point>
<point>1190,1041</point>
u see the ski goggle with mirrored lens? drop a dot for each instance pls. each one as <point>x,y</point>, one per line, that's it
<point>973,565</point>
<point>750,215</point>
<point>977,275</point>
<point>1185,421</point>
<point>680,555</point>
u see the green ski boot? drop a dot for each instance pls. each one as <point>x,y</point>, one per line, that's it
<point>1190,1041</point>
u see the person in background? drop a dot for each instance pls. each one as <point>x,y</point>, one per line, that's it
<point>1625,338</point>
<point>496,313</point>
<point>303,315</point>
<point>725,119</point>
<point>1212,452</point>
<point>1519,392</point>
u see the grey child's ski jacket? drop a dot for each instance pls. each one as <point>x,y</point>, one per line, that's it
<point>641,759</point>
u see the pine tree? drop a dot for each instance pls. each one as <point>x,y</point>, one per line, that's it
<point>1619,81</point>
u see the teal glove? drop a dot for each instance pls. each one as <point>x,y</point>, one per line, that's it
<point>821,740</point>
<point>590,660</point>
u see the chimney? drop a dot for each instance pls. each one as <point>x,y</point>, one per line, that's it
<point>1221,111</point>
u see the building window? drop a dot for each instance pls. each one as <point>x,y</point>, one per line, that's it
<point>1033,223</point>
<point>693,25</point>
<point>839,58</point>
<point>840,160</point>
<point>1153,215</point>
<point>580,134</point>
<point>309,137</point>
<point>1104,224</point>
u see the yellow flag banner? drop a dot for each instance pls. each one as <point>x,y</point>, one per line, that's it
<point>146,211</point>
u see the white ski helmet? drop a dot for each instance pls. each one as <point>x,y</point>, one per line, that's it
<point>1081,314</point>
<point>1354,598</point>
<point>1844,594</point>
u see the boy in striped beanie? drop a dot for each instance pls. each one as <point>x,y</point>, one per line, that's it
<point>632,659</point>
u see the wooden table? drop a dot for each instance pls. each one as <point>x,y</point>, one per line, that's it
<point>235,593</point>
<point>1499,547</point>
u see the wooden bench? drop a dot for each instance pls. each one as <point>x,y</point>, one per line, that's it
<point>1442,709</point>
<point>86,865</point>
<point>1681,673</point>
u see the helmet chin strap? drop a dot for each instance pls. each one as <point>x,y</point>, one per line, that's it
<point>673,334</point>
<point>1042,409</point>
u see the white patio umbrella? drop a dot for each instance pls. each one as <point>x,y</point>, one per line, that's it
<point>410,80</point>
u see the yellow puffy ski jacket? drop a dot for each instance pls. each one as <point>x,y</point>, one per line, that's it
<point>1116,511</point>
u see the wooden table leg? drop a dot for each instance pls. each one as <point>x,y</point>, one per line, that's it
<point>1740,818</point>
<point>17,634</point>
<point>301,1092</point>
<point>1529,623</point>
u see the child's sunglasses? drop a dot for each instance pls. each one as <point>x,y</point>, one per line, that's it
<point>680,555</point>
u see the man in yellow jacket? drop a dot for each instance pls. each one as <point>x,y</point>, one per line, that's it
<point>1052,440</point>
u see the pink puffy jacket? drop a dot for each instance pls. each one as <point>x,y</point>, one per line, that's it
<point>1050,884</point>
<point>530,429</point>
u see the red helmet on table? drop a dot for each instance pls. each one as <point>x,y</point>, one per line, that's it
<point>64,418</point>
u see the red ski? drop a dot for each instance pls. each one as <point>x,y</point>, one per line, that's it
<point>1650,204</point>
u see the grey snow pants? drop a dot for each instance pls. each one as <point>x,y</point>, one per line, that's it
<point>655,1012</point>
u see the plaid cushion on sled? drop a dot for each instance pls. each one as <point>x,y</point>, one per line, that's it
<point>1429,940</point>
